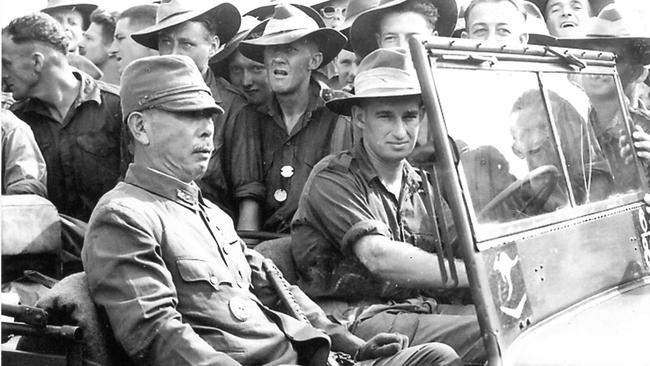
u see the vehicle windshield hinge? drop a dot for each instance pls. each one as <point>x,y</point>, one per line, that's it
<point>471,58</point>
<point>570,59</point>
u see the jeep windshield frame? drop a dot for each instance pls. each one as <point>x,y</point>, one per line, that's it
<point>475,89</point>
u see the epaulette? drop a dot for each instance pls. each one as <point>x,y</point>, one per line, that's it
<point>341,161</point>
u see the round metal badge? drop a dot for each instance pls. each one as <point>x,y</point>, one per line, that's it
<point>280,195</point>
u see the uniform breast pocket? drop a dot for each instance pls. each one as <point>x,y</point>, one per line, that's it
<point>203,275</point>
<point>98,144</point>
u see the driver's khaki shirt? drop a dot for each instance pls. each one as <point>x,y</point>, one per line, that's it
<point>343,201</point>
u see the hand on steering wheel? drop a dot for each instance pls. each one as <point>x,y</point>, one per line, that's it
<point>529,195</point>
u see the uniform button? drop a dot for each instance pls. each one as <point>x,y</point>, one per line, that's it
<point>214,280</point>
<point>239,308</point>
<point>280,195</point>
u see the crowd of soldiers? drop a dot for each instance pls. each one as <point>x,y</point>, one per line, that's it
<point>167,129</point>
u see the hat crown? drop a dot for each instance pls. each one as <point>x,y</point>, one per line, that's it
<point>356,7</point>
<point>386,69</point>
<point>170,8</point>
<point>143,88</point>
<point>59,3</point>
<point>288,18</point>
<point>608,23</point>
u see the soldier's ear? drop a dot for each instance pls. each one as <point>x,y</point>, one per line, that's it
<point>359,116</point>
<point>138,128</point>
<point>315,61</point>
<point>215,42</point>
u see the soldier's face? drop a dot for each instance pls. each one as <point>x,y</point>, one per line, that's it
<point>92,45</point>
<point>497,22</point>
<point>72,22</point>
<point>290,65</point>
<point>190,39</point>
<point>395,28</point>
<point>566,18</point>
<point>180,143</point>
<point>389,126</point>
<point>18,73</point>
<point>124,47</point>
<point>249,76</point>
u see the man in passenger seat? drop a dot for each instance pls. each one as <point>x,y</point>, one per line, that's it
<point>178,285</point>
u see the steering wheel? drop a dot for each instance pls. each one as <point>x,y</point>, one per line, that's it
<point>528,196</point>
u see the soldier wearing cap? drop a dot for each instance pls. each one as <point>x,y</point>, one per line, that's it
<point>177,284</point>
<point>295,128</point>
<point>76,120</point>
<point>608,32</point>
<point>184,27</point>
<point>391,22</point>
<point>567,18</point>
<point>362,240</point>
<point>128,22</point>
<point>248,75</point>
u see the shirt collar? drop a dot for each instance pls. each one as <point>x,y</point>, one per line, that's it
<point>89,91</point>
<point>164,185</point>
<point>411,177</point>
<point>272,107</point>
<point>211,81</point>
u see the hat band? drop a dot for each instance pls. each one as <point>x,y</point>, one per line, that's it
<point>175,14</point>
<point>149,101</point>
<point>385,80</point>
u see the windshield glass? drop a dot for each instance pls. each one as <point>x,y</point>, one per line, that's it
<point>525,153</point>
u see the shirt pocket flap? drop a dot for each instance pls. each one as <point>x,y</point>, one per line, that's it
<point>195,270</point>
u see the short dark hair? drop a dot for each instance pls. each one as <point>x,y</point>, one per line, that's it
<point>474,3</point>
<point>144,15</point>
<point>107,20</point>
<point>422,7</point>
<point>38,27</point>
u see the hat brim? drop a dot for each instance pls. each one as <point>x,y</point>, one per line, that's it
<point>596,5</point>
<point>230,47</point>
<point>329,41</point>
<point>226,14</point>
<point>542,39</point>
<point>190,102</point>
<point>636,49</point>
<point>85,9</point>
<point>343,106</point>
<point>363,29</point>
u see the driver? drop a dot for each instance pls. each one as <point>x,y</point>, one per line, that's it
<point>362,238</point>
<point>589,172</point>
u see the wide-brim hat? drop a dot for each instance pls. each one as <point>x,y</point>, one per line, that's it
<point>596,5</point>
<point>263,12</point>
<point>536,26</point>
<point>608,32</point>
<point>288,24</point>
<point>182,89</point>
<point>364,28</point>
<point>355,8</point>
<point>175,12</point>
<point>385,72</point>
<point>248,23</point>
<point>85,9</point>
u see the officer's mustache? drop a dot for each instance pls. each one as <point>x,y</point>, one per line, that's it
<point>203,148</point>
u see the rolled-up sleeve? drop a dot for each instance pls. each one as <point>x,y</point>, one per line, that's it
<point>244,156</point>
<point>334,205</point>
<point>129,280</point>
